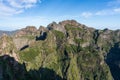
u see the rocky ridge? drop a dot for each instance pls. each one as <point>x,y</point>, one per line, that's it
<point>71,50</point>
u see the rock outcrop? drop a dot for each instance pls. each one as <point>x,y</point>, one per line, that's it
<point>31,30</point>
<point>55,26</point>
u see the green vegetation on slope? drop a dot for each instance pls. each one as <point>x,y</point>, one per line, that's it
<point>77,53</point>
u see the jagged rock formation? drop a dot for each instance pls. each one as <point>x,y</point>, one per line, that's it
<point>73,50</point>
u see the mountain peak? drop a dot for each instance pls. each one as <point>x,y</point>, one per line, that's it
<point>70,22</point>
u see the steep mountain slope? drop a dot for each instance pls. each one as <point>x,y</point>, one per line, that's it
<point>64,51</point>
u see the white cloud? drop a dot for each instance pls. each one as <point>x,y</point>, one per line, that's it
<point>86,14</point>
<point>11,7</point>
<point>104,12</point>
<point>22,3</point>
<point>117,10</point>
<point>113,9</point>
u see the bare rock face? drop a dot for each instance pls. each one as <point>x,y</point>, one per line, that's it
<point>42,28</point>
<point>61,25</point>
<point>70,22</point>
<point>20,42</point>
<point>31,28</point>
<point>7,46</point>
<point>55,26</point>
<point>28,30</point>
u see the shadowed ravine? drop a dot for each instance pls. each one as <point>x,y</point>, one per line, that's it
<point>113,60</point>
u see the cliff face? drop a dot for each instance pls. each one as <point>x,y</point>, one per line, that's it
<point>67,51</point>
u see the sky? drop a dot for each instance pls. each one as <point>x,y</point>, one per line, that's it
<point>99,14</point>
